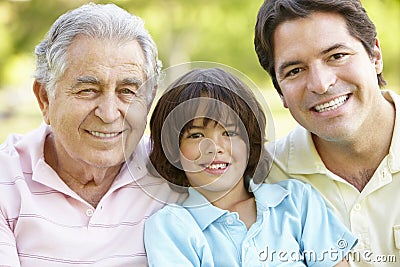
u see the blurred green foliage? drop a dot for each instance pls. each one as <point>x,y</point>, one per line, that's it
<point>184,30</point>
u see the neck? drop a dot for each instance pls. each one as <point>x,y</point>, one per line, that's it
<point>90,182</point>
<point>230,199</point>
<point>238,199</point>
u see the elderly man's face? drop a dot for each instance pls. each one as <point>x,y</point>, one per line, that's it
<point>89,114</point>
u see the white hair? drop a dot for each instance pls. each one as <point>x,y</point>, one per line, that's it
<point>98,21</point>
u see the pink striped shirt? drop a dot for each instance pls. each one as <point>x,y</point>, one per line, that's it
<point>44,223</point>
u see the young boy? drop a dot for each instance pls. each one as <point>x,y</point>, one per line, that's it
<point>208,133</point>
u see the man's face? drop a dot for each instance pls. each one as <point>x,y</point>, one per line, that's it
<point>89,115</point>
<point>328,81</point>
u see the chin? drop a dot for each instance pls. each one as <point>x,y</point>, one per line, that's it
<point>107,162</point>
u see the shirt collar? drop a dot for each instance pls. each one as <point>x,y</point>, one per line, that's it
<point>302,147</point>
<point>268,195</point>
<point>394,152</point>
<point>201,209</point>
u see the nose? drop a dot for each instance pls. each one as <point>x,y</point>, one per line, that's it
<point>107,108</point>
<point>320,79</point>
<point>211,146</point>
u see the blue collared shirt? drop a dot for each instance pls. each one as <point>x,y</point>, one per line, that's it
<point>293,227</point>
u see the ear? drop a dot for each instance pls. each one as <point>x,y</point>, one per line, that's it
<point>42,98</point>
<point>377,57</point>
<point>283,101</point>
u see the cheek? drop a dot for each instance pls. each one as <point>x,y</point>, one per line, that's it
<point>136,116</point>
<point>187,159</point>
<point>240,151</point>
<point>189,152</point>
<point>293,97</point>
<point>64,118</point>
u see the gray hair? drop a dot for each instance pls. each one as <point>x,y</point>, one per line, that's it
<point>97,21</point>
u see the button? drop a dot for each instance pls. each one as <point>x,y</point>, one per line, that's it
<point>89,212</point>
<point>229,220</point>
<point>385,175</point>
<point>357,207</point>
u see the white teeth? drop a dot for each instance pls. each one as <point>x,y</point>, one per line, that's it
<point>217,166</point>
<point>331,105</point>
<point>103,135</point>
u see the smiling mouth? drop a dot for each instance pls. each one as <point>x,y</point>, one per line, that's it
<point>217,166</point>
<point>104,135</point>
<point>331,105</point>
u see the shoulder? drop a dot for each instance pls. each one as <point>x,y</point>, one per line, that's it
<point>8,147</point>
<point>10,160</point>
<point>300,190</point>
<point>284,150</point>
<point>284,145</point>
<point>172,220</point>
<point>22,151</point>
<point>171,214</point>
<point>289,193</point>
<point>304,197</point>
<point>295,187</point>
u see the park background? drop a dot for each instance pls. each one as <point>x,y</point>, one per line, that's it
<point>185,30</point>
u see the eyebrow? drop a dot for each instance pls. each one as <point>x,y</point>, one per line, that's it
<point>132,81</point>
<point>283,66</point>
<point>333,47</point>
<point>196,127</point>
<point>87,79</point>
<point>94,80</point>
<point>202,127</point>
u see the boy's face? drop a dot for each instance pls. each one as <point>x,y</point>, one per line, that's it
<point>214,157</point>
<point>328,80</point>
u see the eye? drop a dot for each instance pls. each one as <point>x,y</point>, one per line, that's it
<point>86,92</point>
<point>293,72</point>
<point>337,56</point>
<point>127,91</point>
<point>231,133</point>
<point>127,94</point>
<point>194,135</point>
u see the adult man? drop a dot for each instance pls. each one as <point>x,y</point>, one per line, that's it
<point>325,61</point>
<point>76,190</point>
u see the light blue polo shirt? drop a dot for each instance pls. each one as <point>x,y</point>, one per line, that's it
<point>293,228</point>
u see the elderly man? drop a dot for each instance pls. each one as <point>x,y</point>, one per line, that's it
<point>76,190</point>
<point>325,61</point>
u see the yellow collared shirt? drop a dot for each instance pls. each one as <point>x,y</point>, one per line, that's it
<point>373,215</point>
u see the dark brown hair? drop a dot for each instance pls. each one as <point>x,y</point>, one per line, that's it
<point>179,106</point>
<point>272,13</point>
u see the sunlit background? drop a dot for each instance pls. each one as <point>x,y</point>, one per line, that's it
<point>184,30</point>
